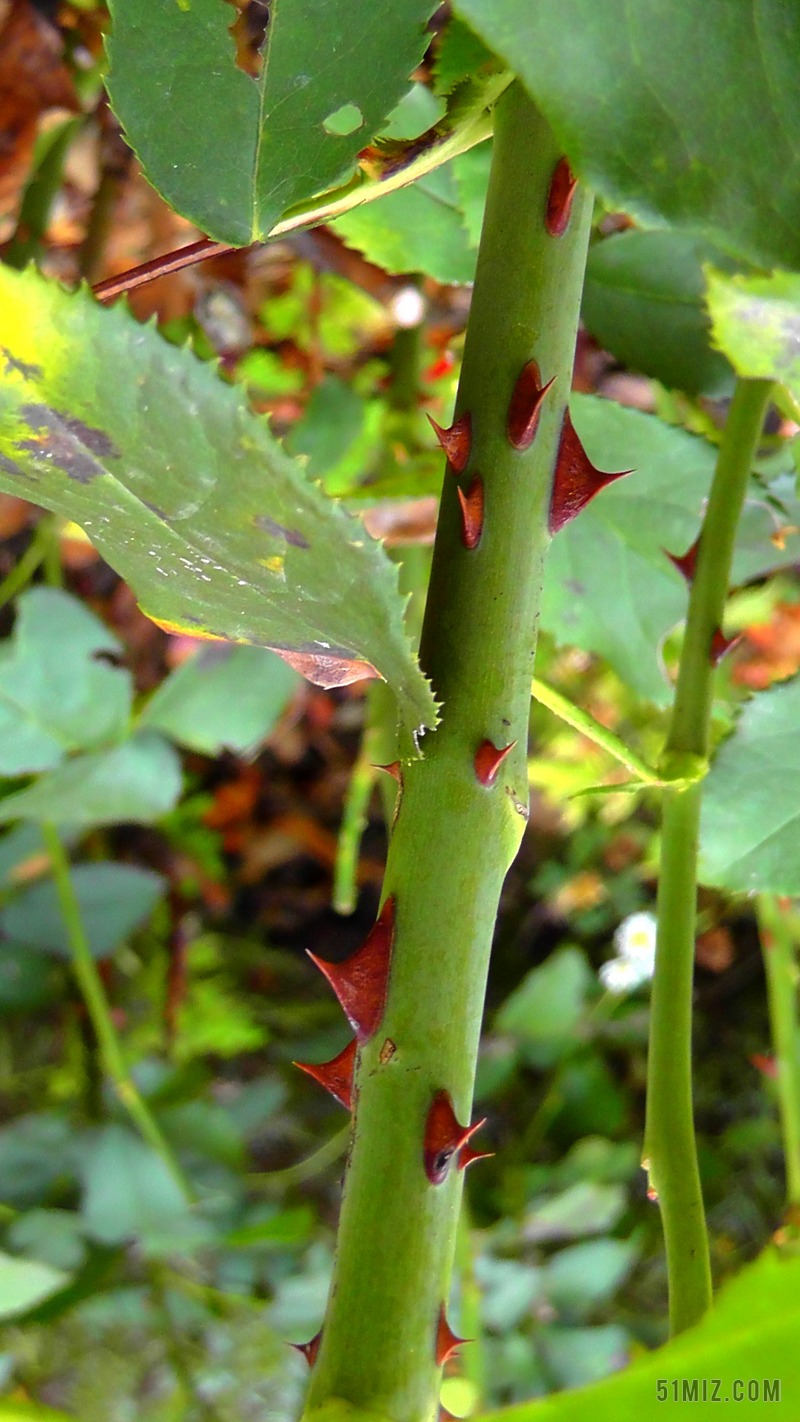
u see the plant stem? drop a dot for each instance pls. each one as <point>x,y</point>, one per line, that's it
<point>581,721</point>
<point>455,838</point>
<point>670,1148</point>
<point>778,927</point>
<point>88,979</point>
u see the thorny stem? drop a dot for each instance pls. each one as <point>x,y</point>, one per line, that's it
<point>670,1149</point>
<point>455,837</point>
<point>779,940</point>
<point>88,979</point>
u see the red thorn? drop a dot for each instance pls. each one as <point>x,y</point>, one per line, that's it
<point>455,441</point>
<point>525,406</point>
<point>576,479</point>
<point>471,513</point>
<point>721,645</point>
<point>362,980</point>
<point>559,199</point>
<point>766,1065</point>
<point>468,1156</point>
<point>336,1075</point>
<point>444,1136</point>
<point>393,769</point>
<point>447,1343</point>
<point>488,759</point>
<point>686,562</point>
<point>309,1349</point>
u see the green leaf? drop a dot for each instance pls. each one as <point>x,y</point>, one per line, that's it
<point>643,301</point>
<point>26,981</point>
<point>35,1153</point>
<point>11,1411</point>
<point>129,1194</point>
<point>756,767</point>
<point>113,898</point>
<point>52,1236</point>
<point>25,1282</point>
<point>545,1009</point>
<point>135,782</point>
<point>232,152</point>
<point>583,1275</point>
<point>459,56</point>
<point>686,113</point>
<point>584,1208</point>
<point>188,496</point>
<point>416,229</point>
<point>609,587</point>
<point>222,698</point>
<point>756,322</point>
<point>55,695</point>
<point>418,110</point>
<point>577,1356</point>
<point>750,1334</point>
<point>472,181</point>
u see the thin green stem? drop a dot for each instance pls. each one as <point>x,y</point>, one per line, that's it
<point>304,1169</point>
<point>779,927</point>
<point>670,1147</point>
<point>354,822</point>
<point>456,835</point>
<point>22,572</point>
<point>581,721</point>
<point>90,983</point>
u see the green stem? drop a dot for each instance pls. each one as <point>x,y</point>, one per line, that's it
<point>670,1147</point>
<point>22,572</point>
<point>581,721</point>
<point>304,1169</point>
<point>88,979</point>
<point>455,838</point>
<point>779,940</point>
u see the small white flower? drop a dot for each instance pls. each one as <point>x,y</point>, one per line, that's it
<point>635,942</point>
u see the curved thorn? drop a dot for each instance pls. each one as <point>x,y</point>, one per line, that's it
<point>525,406</point>
<point>471,513</point>
<point>722,645</point>
<point>361,982</point>
<point>455,441</point>
<point>576,479</point>
<point>336,1075</point>
<point>444,1137</point>
<point>686,563</point>
<point>447,1342</point>
<point>488,759</point>
<point>393,768</point>
<point>468,1156</point>
<point>309,1349</point>
<point>559,198</point>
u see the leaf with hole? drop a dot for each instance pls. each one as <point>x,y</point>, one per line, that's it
<point>188,496</point>
<point>643,101</point>
<point>233,150</point>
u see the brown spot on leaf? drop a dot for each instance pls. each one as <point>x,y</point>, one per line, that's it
<point>387,1051</point>
<point>291,535</point>
<point>331,666</point>
<point>26,369</point>
<point>67,442</point>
